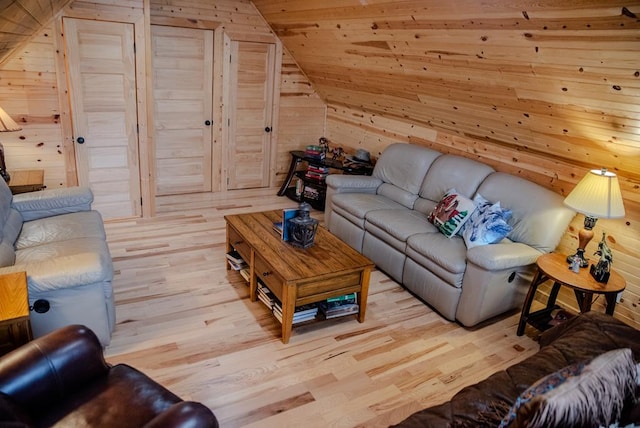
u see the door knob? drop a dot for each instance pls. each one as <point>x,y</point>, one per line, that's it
<point>207,122</point>
<point>80,140</point>
<point>267,129</point>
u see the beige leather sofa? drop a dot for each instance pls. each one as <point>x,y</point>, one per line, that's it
<point>384,216</point>
<point>60,242</point>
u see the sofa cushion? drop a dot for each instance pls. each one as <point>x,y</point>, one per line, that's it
<point>93,405</point>
<point>451,213</point>
<point>405,166</point>
<point>53,202</point>
<point>487,224</point>
<point>355,206</point>
<point>438,250</point>
<point>451,171</point>
<point>581,394</point>
<point>400,224</point>
<point>85,224</point>
<point>532,207</point>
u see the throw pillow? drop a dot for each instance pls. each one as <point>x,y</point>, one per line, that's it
<point>451,213</point>
<point>487,224</point>
<point>580,395</point>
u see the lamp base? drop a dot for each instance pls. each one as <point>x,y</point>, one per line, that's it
<point>584,262</point>
<point>584,237</point>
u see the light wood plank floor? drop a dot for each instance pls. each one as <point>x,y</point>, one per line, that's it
<point>187,322</point>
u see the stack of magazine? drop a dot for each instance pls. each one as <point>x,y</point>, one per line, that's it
<point>301,314</point>
<point>339,306</point>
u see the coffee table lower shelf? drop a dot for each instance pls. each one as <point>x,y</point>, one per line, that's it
<point>297,277</point>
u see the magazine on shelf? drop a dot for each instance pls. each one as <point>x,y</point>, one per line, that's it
<point>339,306</point>
<point>342,300</point>
<point>296,320</point>
<point>301,313</point>
<point>235,257</point>
<point>237,266</point>
<point>338,311</point>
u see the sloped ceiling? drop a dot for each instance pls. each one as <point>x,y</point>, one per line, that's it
<point>559,77</point>
<point>20,19</point>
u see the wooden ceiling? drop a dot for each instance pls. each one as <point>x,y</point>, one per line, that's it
<point>20,19</point>
<point>554,77</point>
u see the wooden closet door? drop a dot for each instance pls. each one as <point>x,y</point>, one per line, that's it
<point>251,92</point>
<point>102,84</point>
<point>182,99</point>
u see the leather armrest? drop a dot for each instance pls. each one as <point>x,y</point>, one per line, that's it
<point>51,367</point>
<point>341,183</point>
<point>50,202</point>
<point>64,271</point>
<point>502,256</point>
<point>183,415</point>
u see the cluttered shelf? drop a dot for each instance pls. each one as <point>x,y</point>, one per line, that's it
<point>334,307</point>
<point>310,183</point>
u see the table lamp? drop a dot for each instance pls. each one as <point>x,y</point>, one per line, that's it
<point>6,125</point>
<point>597,195</point>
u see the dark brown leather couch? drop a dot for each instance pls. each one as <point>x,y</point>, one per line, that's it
<point>485,403</point>
<point>63,379</point>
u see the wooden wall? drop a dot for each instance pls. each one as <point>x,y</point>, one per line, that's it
<point>32,86</point>
<point>544,90</point>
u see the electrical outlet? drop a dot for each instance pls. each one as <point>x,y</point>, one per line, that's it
<point>619,297</point>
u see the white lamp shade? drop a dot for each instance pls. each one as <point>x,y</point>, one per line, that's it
<point>6,123</point>
<point>597,195</point>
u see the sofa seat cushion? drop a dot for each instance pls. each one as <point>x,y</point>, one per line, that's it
<point>64,264</point>
<point>400,224</point>
<point>70,247</point>
<point>355,206</point>
<point>86,224</point>
<point>445,257</point>
<point>450,253</point>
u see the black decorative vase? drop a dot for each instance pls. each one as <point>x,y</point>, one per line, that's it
<point>302,228</point>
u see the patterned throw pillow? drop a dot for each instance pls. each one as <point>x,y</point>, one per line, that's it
<point>487,225</point>
<point>451,213</point>
<point>580,395</point>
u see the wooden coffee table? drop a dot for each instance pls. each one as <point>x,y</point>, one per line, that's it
<point>330,268</point>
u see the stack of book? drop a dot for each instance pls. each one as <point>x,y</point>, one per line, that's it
<point>317,173</point>
<point>339,306</point>
<point>315,152</point>
<point>301,314</point>
<point>235,260</point>
<point>265,295</point>
<point>282,227</point>
<point>238,264</point>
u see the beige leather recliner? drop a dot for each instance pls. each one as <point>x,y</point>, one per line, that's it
<point>384,216</point>
<point>60,242</point>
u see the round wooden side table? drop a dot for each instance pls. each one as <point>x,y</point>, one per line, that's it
<point>554,266</point>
